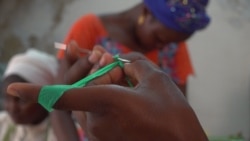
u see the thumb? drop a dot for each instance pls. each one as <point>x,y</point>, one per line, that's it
<point>92,98</point>
<point>25,91</point>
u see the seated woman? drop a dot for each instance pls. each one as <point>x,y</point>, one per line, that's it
<point>158,29</point>
<point>22,120</point>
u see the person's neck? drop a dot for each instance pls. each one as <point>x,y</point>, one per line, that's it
<point>121,27</point>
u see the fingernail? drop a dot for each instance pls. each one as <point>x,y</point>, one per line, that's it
<point>102,62</point>
<point>125,64</point>
<point>68,50</point>
<point>93,58</point>
<point>95,68</point>
<point>12,91</point>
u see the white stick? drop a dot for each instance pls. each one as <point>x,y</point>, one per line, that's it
<point>60,46</point>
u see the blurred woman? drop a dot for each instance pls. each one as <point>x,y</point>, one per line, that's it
<point>156,28</point>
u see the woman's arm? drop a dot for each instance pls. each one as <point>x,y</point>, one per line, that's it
<point>63,126</point>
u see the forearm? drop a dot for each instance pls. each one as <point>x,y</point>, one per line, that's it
<point>63,126</point>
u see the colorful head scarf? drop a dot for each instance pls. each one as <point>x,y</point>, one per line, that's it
<point>34,66</point>
<point>185,16</point>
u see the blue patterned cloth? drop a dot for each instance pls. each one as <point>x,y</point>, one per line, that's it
<point>165,56</point>
<point>185,16</point>
<point>167,61</point>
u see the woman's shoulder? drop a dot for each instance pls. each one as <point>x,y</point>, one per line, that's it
<point>88,24</point>
<point>89,18</point>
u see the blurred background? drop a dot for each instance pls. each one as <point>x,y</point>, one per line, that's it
<point>219,91</point>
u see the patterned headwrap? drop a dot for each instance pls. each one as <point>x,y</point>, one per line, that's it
<point>185,16</point>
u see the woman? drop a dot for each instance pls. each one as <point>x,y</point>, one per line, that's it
<point>25,121</point>
<point>156,28</point>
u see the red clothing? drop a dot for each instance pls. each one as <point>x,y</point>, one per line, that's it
<point>89,31</point>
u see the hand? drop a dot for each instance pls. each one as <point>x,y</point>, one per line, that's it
<point>79,62</point>
<point>155,109</point>
<point>75,66</point>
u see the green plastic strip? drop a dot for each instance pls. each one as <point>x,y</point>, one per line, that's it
<point>98,73</point>
<point>50,94</point>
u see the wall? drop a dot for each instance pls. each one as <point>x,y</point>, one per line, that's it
<point>220,90</point>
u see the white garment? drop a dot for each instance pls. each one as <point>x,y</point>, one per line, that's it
<point>35,66</point>
<point>41,132</point>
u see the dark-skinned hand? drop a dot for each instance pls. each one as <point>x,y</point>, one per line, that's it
<point>154,109</point>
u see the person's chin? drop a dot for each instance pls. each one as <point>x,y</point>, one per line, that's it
<point>18,120</point>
